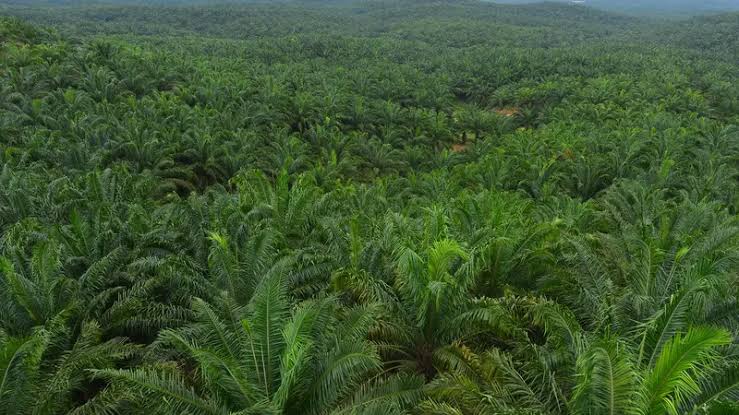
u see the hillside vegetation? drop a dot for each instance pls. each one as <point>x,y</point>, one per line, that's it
<point>370,207</point>
<point>652,8</point>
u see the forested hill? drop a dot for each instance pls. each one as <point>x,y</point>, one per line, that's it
<point>654,8</point>
<point>364,18</point>
<point>539,24</point>
<point>370,207</point>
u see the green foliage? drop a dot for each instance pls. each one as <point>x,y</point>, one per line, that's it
<point>367,207</point>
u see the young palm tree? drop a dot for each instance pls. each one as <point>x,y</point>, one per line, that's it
<point>428,306</point>
<point>46,371</point>
<point>265,358</point>
<point>689,373</point>
<point>593,375</point>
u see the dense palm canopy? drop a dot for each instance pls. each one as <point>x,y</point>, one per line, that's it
<point>367,207</point>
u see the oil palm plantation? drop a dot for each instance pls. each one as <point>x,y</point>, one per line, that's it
<point>367,208</point>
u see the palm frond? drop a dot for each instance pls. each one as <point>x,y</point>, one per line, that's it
<point>722,385</point>
<point>682,362</point>
<point>394,395</point>
<point>161,389</point>
<point>606,379</point>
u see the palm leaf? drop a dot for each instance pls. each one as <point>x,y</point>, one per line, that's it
<point>162,389</point>
<point>722,385</point>
<point>682,362</point>
<point>606,379</point>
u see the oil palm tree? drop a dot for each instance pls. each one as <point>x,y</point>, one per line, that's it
<point>593,374</point>
<point>43,372</point>
<point>266,357</point>
<point>428,305</point>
